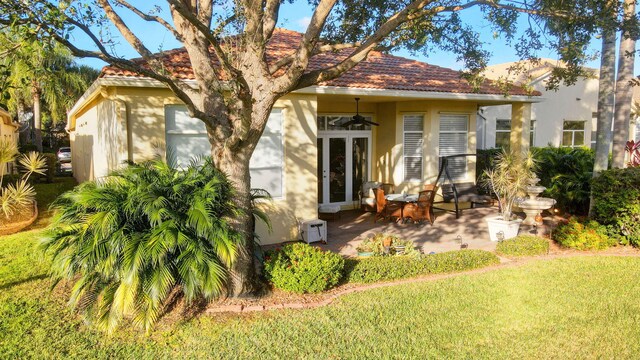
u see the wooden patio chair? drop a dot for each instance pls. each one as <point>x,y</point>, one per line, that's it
<point>384,208</point>
<point>423,208</point>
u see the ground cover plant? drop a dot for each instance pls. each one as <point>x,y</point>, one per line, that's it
<point>130,241</point>
<point>583,235</point>
<point>379,268</point>
<point>382,244</point>
<point>523,245</point>
<point>302,268</point>
<point>616,203</point>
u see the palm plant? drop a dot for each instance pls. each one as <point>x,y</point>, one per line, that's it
<point>146,231</point>
<point>16,197</point>
<point>43,76</point>
<point>509,179</point>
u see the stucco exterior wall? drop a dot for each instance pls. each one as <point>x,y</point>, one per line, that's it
<point>576,102</point>
<point>300,200</point>
<point>95,141</point>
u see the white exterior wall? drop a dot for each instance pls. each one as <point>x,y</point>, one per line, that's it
<point>549,115</point>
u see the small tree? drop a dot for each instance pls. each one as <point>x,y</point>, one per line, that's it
<point>509,178</point>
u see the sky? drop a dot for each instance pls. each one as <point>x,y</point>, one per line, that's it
<point>296,16</point>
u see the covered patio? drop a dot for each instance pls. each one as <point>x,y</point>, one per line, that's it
<point>353,226</point>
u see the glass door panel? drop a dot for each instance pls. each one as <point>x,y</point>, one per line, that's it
<point>360,165</point>
<point>337,170</point>
<point>321,177</point>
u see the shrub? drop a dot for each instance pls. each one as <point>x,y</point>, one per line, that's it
<point>566,173</point>
<point>583,236</point>
<point>368,270</point>
<point>129,241</point>
<point>616,203</point>
<point>51,161</point>
<point>485,161</point>
<point>303,268</point>
<point>18,194</point>
<point>523,245</point>
<point>375,245</point>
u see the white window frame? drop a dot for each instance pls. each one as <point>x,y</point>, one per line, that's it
<point>466,132</point>
<point>573,134</point>
<point>532,132</point>
<point>502,131</point>
<point>404,156</point>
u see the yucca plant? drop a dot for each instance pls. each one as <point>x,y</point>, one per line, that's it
<point>509,178</point>
<point>17,196</point>
<point>145,232</point>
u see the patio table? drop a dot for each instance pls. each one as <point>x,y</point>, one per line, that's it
<point>402,198</point>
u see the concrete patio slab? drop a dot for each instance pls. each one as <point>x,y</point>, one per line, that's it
<point>346,233</point>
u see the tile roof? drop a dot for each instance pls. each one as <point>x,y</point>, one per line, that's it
<point>378,71</point>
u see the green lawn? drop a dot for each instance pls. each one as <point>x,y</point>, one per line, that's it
<point>584,307</point>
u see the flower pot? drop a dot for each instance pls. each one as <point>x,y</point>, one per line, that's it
<point>399,249</point>
<point>502,230</point>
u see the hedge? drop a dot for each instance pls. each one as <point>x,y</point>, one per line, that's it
<point>523,245</point>
<point>616,203</point>
<point>368,270</point>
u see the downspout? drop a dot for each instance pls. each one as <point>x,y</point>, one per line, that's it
<point>484,125</point>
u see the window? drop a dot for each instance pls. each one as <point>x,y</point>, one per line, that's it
<point>267,161</point>
<point>187,137</point>
<point>503,133</point>
<point>412,147</point>
<point>573,133</point>
<point>334,122</point>
<point>532,133</point>
<point>636,133</point>
<point>454,140</point>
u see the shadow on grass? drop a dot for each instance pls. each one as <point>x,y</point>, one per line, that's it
<point>23,281</point>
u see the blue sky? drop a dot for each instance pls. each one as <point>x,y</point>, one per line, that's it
<point>296,16</point>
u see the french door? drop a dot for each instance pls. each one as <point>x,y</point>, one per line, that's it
<point>344,164</point>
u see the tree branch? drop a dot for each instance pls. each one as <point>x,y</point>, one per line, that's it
<point>270,18</point>
<point>316,51</point>
<point>131,38</point>
<point>150,18</point>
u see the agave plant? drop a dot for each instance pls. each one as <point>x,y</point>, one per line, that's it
<point>19,195</point>
<point>142,234</point>
<point>509,178</point>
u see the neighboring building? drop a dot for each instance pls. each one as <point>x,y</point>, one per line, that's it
<point>8,131</point>
<point>8,128</point>
<point>305,157</point>
<point>566,117</point>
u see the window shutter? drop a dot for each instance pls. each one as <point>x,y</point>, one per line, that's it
<point>267,162</point>
<point>454,140</point>
<point>412,147</point>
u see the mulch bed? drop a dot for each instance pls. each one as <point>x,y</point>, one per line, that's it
<point>18,220</point>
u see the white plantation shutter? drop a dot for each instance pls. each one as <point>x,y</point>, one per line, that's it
<point>267,161</point>
<point>454,140</point>
<point>187,137</point>
<point>412,145</point>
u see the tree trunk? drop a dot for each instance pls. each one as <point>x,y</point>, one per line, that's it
<point>624,89</point>
<point>235,164</point>
<point>37,118</point>
<point>605,104</point>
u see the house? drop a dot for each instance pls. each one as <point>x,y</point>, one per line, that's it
<point>305,157</point>
<point>8,128</point>
<point>567,117</point>
<point>8,131</point>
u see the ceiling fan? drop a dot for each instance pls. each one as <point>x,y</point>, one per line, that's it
<point>358,119</point>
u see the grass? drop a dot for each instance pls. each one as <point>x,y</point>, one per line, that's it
<point>582,307</point>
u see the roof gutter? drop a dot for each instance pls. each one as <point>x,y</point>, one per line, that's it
<point>430,95</point>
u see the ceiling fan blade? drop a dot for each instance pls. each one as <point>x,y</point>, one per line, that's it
<point>371,123</point>
<point>349,123</point>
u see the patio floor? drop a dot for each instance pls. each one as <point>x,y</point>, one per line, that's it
<point>346,233</point>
